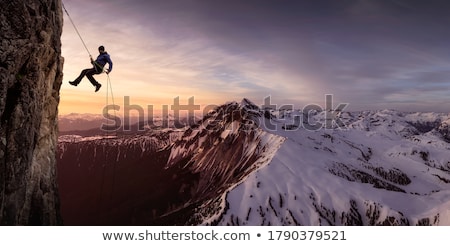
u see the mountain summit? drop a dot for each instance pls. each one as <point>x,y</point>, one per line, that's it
<point>243,165</point>
<point>162,176</point>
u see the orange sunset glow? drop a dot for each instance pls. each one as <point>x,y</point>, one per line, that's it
<point>219,52</point>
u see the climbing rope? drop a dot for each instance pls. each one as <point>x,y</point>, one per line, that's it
<point>108,91</point>
<point>109,87</point>
<point>76,29</point>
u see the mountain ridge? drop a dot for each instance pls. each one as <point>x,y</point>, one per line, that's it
<point>377,157</point>
<point>247,167</point>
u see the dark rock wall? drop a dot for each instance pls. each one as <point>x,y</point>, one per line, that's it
<point>30,79</point>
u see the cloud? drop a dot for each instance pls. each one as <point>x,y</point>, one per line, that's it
<point>371,54</point>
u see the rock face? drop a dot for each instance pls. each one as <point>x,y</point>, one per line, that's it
<point>30,79</point>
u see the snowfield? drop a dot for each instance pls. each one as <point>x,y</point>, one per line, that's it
<point>387,168</point>
<point>243,165</point>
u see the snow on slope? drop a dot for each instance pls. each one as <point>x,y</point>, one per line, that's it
<point>150,141</point>
<point>387,168</point>
<point>224,148</point>
<point>199,163</point>
<point>243,166</point>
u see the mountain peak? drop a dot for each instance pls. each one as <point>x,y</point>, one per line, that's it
<point>386,168</point>
<point>248,103</point>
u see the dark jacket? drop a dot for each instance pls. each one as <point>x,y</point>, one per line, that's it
<point>102,59</point>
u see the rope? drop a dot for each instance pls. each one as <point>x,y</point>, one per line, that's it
<point>75,27</point>
<point>108,89</point>
<point>112,95</point>
<point>81,38</point>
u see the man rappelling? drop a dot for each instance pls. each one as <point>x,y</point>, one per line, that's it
<point>98,65</point>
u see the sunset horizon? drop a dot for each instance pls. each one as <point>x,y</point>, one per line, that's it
<point>371,55</point>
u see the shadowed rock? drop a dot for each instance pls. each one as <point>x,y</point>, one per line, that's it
<point>30,79</point>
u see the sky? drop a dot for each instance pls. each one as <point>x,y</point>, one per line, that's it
<point>386,54</point>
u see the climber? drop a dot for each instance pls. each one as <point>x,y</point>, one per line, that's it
<point>99,63</point>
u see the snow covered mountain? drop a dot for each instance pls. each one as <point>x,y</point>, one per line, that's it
<point>90,124</point>
<point>388,168</point>
<point>241,165</point>
<point>80,122</point>
<point>162,176</point>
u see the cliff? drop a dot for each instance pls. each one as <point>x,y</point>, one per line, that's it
<point>30,79</point>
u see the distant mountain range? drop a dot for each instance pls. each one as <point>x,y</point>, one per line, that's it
<point>243,165</point>
<point>80,122</point>
<point>91,124</point>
